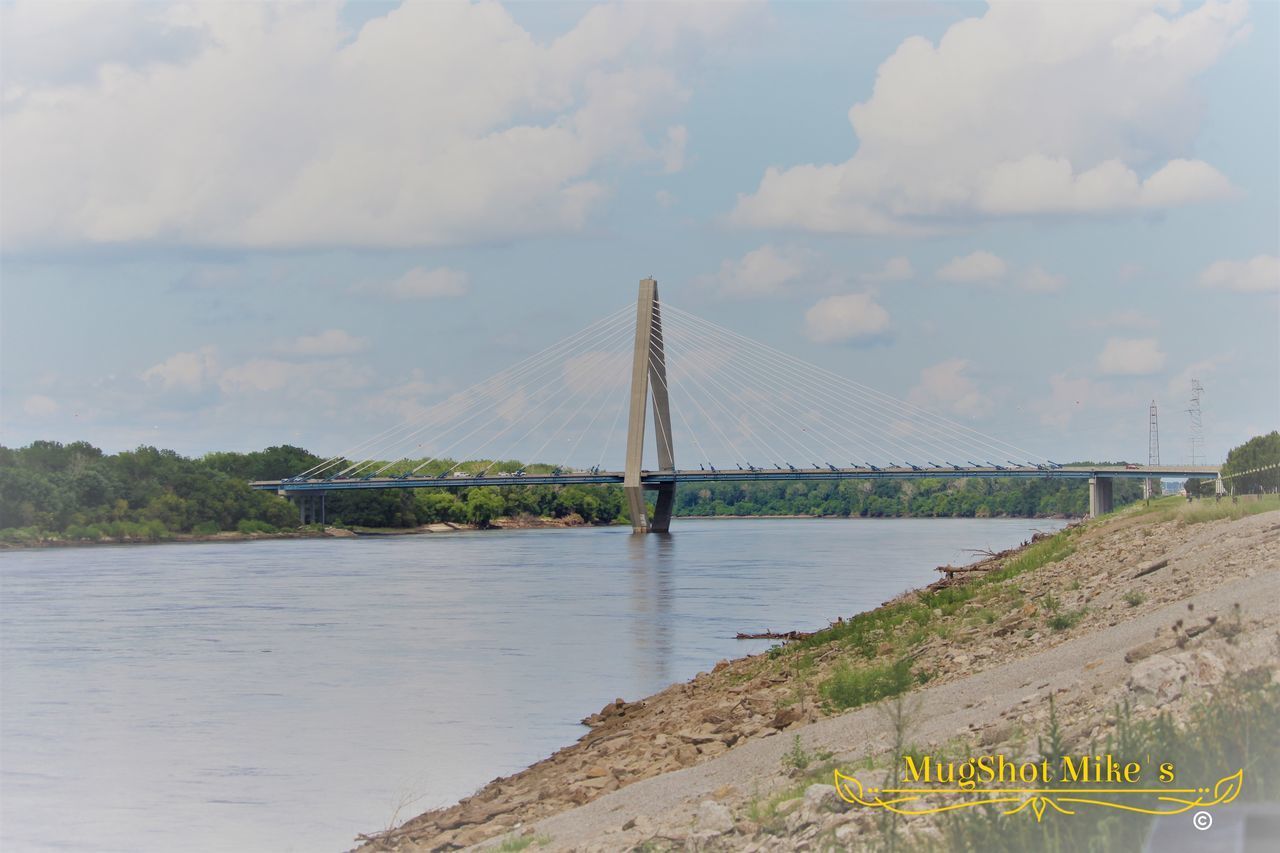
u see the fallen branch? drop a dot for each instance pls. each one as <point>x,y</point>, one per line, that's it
<point>776,635</point>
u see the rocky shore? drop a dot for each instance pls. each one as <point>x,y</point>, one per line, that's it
<point>1152,607</point>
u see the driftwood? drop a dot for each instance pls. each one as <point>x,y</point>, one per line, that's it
<point>1151,567</point>
<point>776,635</point>
<point>952,571</point>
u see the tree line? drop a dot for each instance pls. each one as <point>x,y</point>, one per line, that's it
<point>1250,468</point>
<point>50,490</point>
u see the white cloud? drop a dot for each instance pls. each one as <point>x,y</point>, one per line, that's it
<point>437,123</point>
<point>894,269</point>
<point>665,198</point>
<point>184,371</point>
<point>1123,320</point>
<point>765,271</point>
<point>421,283</point>
<point>1038,280</point>
<point>40,406</point>
<point>845,318</point>
<point>328,342</point>
<point>1179,388</point>
<point>269,375</point>
<point>1256,275</point>
<point>1131,357</point>
<point>200,370</point>
<point>979,266</point>
<point>1033,108</point>
<point>673,151</point>
<point>410,400</point>
<point>597,370</point>
<point>1070,396</point>
<point>946,386</point>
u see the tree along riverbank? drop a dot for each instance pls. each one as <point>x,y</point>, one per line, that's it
<point>52,493</point>
<point>1151,630</point>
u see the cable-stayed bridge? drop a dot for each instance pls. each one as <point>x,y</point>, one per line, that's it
<point>743,411</point>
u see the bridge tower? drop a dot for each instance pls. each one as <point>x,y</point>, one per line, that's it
<point>649,379</point>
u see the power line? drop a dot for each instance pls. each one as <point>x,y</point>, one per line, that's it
<point>1197,425</point>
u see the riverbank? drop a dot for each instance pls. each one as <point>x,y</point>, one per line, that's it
<point>520,522</point>
<point>1074,616</point>
<point>311,532</point>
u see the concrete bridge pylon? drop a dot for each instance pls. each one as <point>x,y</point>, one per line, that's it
<point>649,380</point>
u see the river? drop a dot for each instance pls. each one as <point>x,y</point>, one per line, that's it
<point>285,695</point>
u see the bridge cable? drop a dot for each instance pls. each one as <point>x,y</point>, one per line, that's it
<point>795,381</point>
<point>434,412</point>
<point>613,336</point>
<point>743,420</point>
<point>533,374</point>
<point>880,399</point>
<point>790,384</point>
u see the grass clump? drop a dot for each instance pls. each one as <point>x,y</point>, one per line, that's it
<point>514,843</point>
<point>765,812</point>
<point>1133,598</point>
<point>1065,619</point>
<point>849,688</point>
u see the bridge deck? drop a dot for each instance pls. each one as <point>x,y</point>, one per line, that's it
<point>652,479</point>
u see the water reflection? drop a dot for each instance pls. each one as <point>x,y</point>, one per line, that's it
<point>651,564</point>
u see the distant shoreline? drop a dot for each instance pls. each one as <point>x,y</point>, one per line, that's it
<point>232,536</point>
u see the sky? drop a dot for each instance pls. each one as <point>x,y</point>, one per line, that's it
<point>225,226</point>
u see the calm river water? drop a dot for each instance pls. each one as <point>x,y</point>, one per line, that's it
<point>286,695</point>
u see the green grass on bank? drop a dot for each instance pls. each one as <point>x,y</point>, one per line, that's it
<point>1237,727</point>
<point>892,632</point>
<point>875,648</point>
<point>1208,509</point>
<point>1200,510</point>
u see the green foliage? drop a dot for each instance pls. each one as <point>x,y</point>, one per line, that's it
<point>274,463</point>
<point>483,506</point>
<point>1065,619</point>
<point>849,687</point>
<point>797,758</point>
<point>1051,550</point>
<point>1133,598</point>
<point>1257,452</point>
<point>927,498</point>
<point>515,843</point>
<point>77,491</point>
<point>252,525</point>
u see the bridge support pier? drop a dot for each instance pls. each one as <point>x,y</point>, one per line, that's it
<point>311,507</point>
<point>649,377</point>
<point>1099,496</point>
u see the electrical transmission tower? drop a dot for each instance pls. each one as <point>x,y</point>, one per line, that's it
<point>1197,425</point>
<point>1153,449</point>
